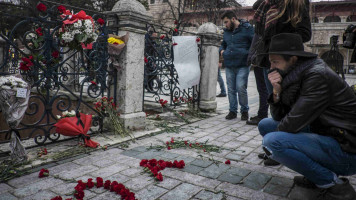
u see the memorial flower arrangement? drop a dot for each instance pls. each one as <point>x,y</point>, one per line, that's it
<point>66,114</point>
<point>12,82</point>
<point>153,166</point>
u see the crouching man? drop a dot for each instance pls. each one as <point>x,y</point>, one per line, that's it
<point>313,129</point>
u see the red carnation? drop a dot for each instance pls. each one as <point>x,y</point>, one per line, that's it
<point>57,198</point>
<point>143,162</point>
<point>146,60</point>
<point>79,195</point>
<point>228,162</point>
<point>169,148</point>
<point>41,7</point>
<point>55,54</point>
<point>90,183</point>
<point>162,37</point>
<point>99,182</point>
<point>113,184</point>
<point>24,67</point>
<point>198,40</point>
<point>39,31</point>
<point>107,184</point>
<point>159,177</point>
<point>61,9</point>
<point>93,82</point>
<point>101,21</point>
<point>43,173</point>
<point>45,152</point>
<point>175,22</point>
<point>174,44</point>
<point>175,30</point>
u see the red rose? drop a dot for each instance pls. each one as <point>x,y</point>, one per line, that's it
<point>143,162</point>
<point>43,173</point>
<point>162,37</point>
<point>175,30</point>
<point>57,198</point>
<point>101,21</point>
<point>39,31</point>
<point>182,163</point>
<point>159,177</point>
<point>55,54</point>
<point>30,57</point>
<point>107,184</point>
<point>27,60</point>
<point>169,148</point>
<point>41,7</point>
<point>90,183</point>
<point>61,9</point>
<point>169,164</point>
<point>45,152</point>
<point>24,67</point>
<point>228,162</point>
<point>80,186</point>
<point>153,162</point>
<point>198,40</point>
<point>174,44</point>
<point>190,145</point>
<point>175,22</point>
<point>93,82</point>
<point>167,143</point>
<point>146,60</point>
<point>186,142</point>
<point>99,182</point>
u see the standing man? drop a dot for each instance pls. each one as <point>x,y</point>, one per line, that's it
<point>237,40</point>
<point>313,129</point>
<point>221,80</point>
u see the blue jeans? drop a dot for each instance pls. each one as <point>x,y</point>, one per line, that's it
<point>221,83</point>
<point>236,79</point>
<point>319,158</point>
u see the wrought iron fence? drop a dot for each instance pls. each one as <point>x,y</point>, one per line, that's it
<point>73,80</point>
<point>161,77</point>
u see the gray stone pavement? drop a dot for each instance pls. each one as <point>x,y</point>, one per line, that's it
<point>245,178</point>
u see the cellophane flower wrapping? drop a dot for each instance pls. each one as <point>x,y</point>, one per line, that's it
<point>13,109</point>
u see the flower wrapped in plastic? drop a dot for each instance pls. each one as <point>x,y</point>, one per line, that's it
<point>116,44</point>
<point>77,125</point>
<point>14,96</point>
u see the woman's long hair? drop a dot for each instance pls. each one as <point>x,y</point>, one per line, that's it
<point>294,10</point>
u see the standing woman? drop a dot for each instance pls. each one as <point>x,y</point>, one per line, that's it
<point>271,18</point>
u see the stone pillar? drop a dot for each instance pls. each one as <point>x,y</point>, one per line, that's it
<point>321,19</point>
<point>130,16</point>
<point>343,19</point>
<point>209,66</point>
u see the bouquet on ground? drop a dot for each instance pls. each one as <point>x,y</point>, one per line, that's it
<point>78,30</point>
<point>77,125</point>
<point>14,96</point>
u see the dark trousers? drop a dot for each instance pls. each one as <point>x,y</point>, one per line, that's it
<point>262,91</point>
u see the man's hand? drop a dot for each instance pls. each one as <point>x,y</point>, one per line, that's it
<point>221,53</point>
<point>220,64</point>
<point>276,79</point>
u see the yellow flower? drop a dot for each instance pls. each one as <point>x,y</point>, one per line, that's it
<point>112,40</point>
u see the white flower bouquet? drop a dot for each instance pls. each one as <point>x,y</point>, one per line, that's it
<point>66,114</point>
<point>14,96</point>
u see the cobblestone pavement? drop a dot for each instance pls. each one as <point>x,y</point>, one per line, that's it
<point>245,178</point>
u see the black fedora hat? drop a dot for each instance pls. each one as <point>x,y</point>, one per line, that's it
<point>288,44</point>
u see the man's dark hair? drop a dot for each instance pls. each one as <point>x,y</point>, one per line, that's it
<point>229,15</point>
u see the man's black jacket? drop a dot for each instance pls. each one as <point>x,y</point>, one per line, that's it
<point>313,94</point>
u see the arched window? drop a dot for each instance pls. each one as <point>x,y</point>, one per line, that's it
<point>351,18</point>
<point>332,18</point>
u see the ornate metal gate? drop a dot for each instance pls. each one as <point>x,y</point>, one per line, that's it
<point>61,78</point>
<point>161,77</point>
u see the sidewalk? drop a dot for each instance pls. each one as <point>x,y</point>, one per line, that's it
<point>204,177</point>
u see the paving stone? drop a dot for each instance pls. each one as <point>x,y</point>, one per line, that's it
<point>244,150</point>
<point>138,183</point>
<point>89,160</point>
<point>131,153</point>
<point>61,168</point>
<point>225,138</point>
<point>207,195</point>
<point>234,144</point>
<point>77,172</point>
<point>192,169</point>
<point>108,195</point>
<point>117,177</point>
<point>187,159</point>
<point>4,188</point>
<point>168,183</point>
<point>191,178</point>
<point>149,154</point>
<point>103,163</point>
<point>139,149</point>
<point>231,178</point>
<point>234,156</point>
<point>299,193</point>
<point>245,193</point>
<point>238,171</point>
<point>34,188</point>
<point>151,192</point>
<point>202,163</point>
<point>71,159</point>
<point>131,172</point>
<point>244,138</point>
<point>45,194</point>
<point>24,180</point>
<point>38,168</point>
<point>183,191</point>
<point>214,171</point>
<point>253,159</point>
<point>169,156</point>
<point>277,190</point>
<point>64,189</point>
<point>256,180</point>
<point>232,198</point>
<point>7,196</point>
<point>107,171</point>
<point>282,181</point>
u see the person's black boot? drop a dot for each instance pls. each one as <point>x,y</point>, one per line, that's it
<point>221,95</point>
<point>262,156</point>
<point>270,162</point>
<point>343,191</point>
<point>244,116</point>
<point>231,115</point>
<point>301,181</point>
<point>254,120</point>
